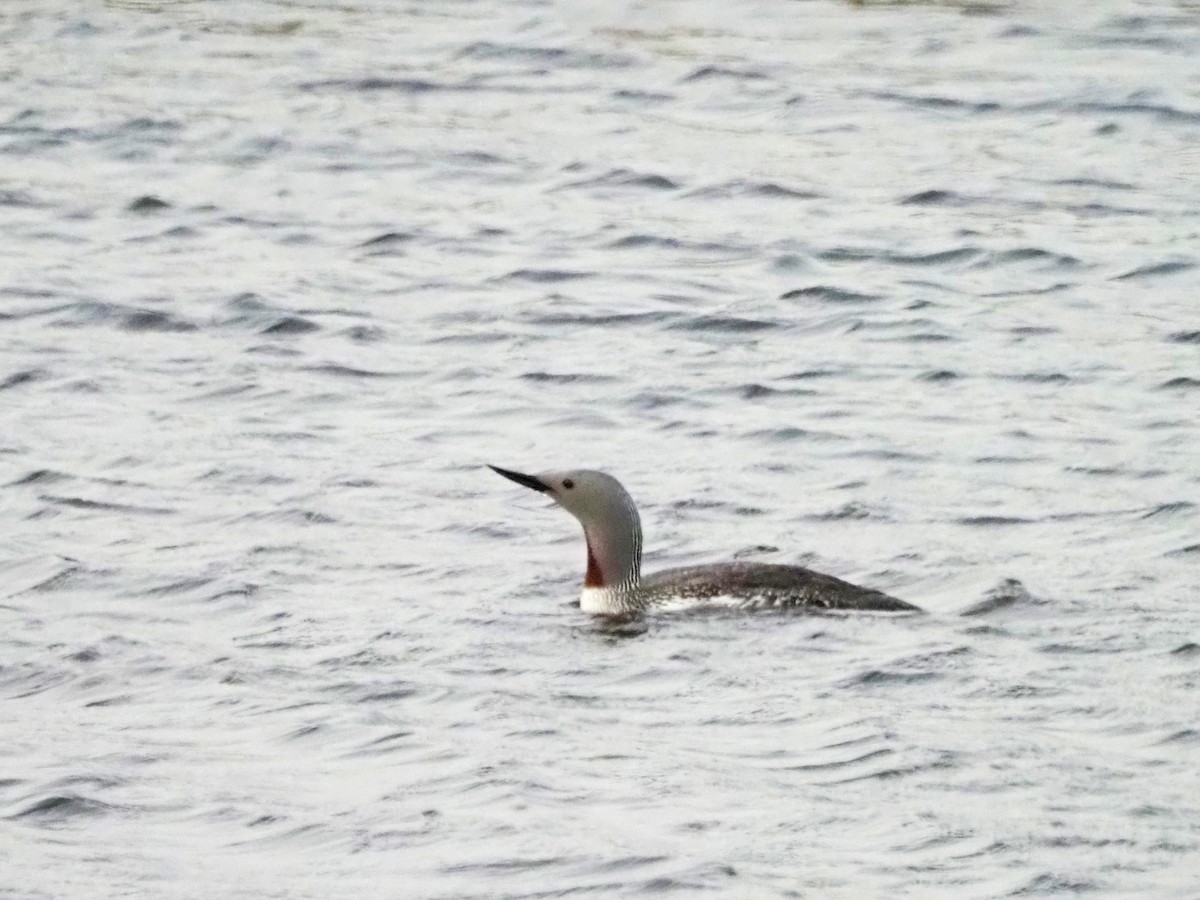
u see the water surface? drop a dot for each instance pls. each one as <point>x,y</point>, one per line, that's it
<point>903,292</point>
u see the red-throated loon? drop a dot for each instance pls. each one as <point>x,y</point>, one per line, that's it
<point>614,584</point>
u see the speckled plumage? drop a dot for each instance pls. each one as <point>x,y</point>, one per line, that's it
<point>764,586</point>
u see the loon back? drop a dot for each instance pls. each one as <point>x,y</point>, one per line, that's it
<point>613,584</point>
<point>748,585</point>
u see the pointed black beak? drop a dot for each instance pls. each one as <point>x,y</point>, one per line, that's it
<point>527,480</point>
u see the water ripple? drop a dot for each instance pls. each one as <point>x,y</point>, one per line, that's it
<point>838,294</point>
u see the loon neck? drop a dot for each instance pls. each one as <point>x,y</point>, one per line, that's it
<point>615,570</point>
<point>614,562</point>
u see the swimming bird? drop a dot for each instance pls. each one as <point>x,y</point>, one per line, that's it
<point>614,585</point>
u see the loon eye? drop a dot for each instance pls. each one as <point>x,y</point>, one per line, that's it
<point>568,483</point>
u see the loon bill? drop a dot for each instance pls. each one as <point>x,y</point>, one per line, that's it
<point>614,584</point>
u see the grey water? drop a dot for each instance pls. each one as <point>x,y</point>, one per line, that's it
<point>905,292</point>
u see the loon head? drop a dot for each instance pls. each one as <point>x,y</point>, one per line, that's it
<point>609,518</point>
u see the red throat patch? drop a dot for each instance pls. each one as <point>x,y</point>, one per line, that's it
<point>594,577</point>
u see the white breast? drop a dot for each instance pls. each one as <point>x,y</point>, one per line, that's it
<point>599,602</point>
